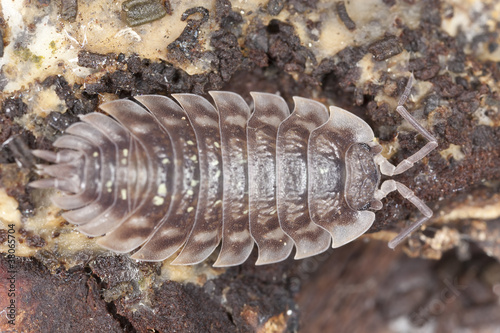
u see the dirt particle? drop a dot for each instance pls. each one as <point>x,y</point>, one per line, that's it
<point>228,53</point>
<point>222,9</point>
<point>60,121</point>
<point>344,16</point>
<point>94,60</point>
<point>3,236</point>
<point>199,312</point>
<point>14,107</point>
<point>228,19</point>
<point>137,12</point>
<point>301,6</point>
<point>168,7</point>
<point>277,44</point>
<point>1,43</point>
<point>69,9</point>
<point>385,48</point>
<point>424,68</point>
<point>35,241</point>
<point>186,46</point>
<point>446,87</point>
<point>274,7</point>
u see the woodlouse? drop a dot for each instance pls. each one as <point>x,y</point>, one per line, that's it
<point>165,177</point>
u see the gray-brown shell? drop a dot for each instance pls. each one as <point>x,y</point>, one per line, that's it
<point>160,177</point>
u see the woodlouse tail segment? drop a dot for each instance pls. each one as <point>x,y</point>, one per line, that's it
<point>389,169</point>
<point>116,187</point>
<point>59,170</point>
<point>104,160</point>
<point>76,164</point>
<point>59,184</point>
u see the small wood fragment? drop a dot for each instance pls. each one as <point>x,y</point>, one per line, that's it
<point>344,16</point>
<point>137,12</point>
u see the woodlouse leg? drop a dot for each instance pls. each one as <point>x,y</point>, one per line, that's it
<point>392,185</point>
<point>385,166</point>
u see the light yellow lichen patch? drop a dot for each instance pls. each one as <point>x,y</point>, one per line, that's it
<point>460,18</point>
<point>368,74</point>
<point>372,18</point>
<point>42,101</point>
<point>8,210</point>
<point>483,212</point>
<point>390,149</point>
<point>60,238</point>
<point>10,218</point>
<point>398,63</point>
<point>453,151</point>
<point>333,37</point>
<point>51,45</point>
<point>383,235</point>
<point>100,31</point>
<point>482,118</point>
<point>71,241</point>
<point>420,89</point>
<point>479,230</point>
<point>45,51</point>
<point>472,18</point>
<point>444,239</point>
<point>197,274</point>
<point>275,324</point>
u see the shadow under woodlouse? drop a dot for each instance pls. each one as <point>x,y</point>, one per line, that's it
<point>165,177</point>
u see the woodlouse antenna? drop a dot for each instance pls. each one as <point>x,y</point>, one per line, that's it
<point>391,185</point>
<point>389,169</point>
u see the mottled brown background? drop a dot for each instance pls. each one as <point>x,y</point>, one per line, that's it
<point>445,278</point>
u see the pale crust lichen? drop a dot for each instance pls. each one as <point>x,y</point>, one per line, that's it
<point>59,236</point>
<point>54,44</point>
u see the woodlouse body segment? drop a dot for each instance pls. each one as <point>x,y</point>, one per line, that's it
<point>327,149</point>
<point>262,129</point>
<point>165,178</point>
<point>237,243</point>
<point>292,185</point>
<point>207,231</point>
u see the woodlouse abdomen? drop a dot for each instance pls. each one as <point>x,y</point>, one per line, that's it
<point>164,177</point>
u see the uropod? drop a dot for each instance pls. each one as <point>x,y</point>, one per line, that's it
<point>166,178</point>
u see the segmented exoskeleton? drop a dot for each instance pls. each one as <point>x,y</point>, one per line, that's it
<point>164,177</point>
